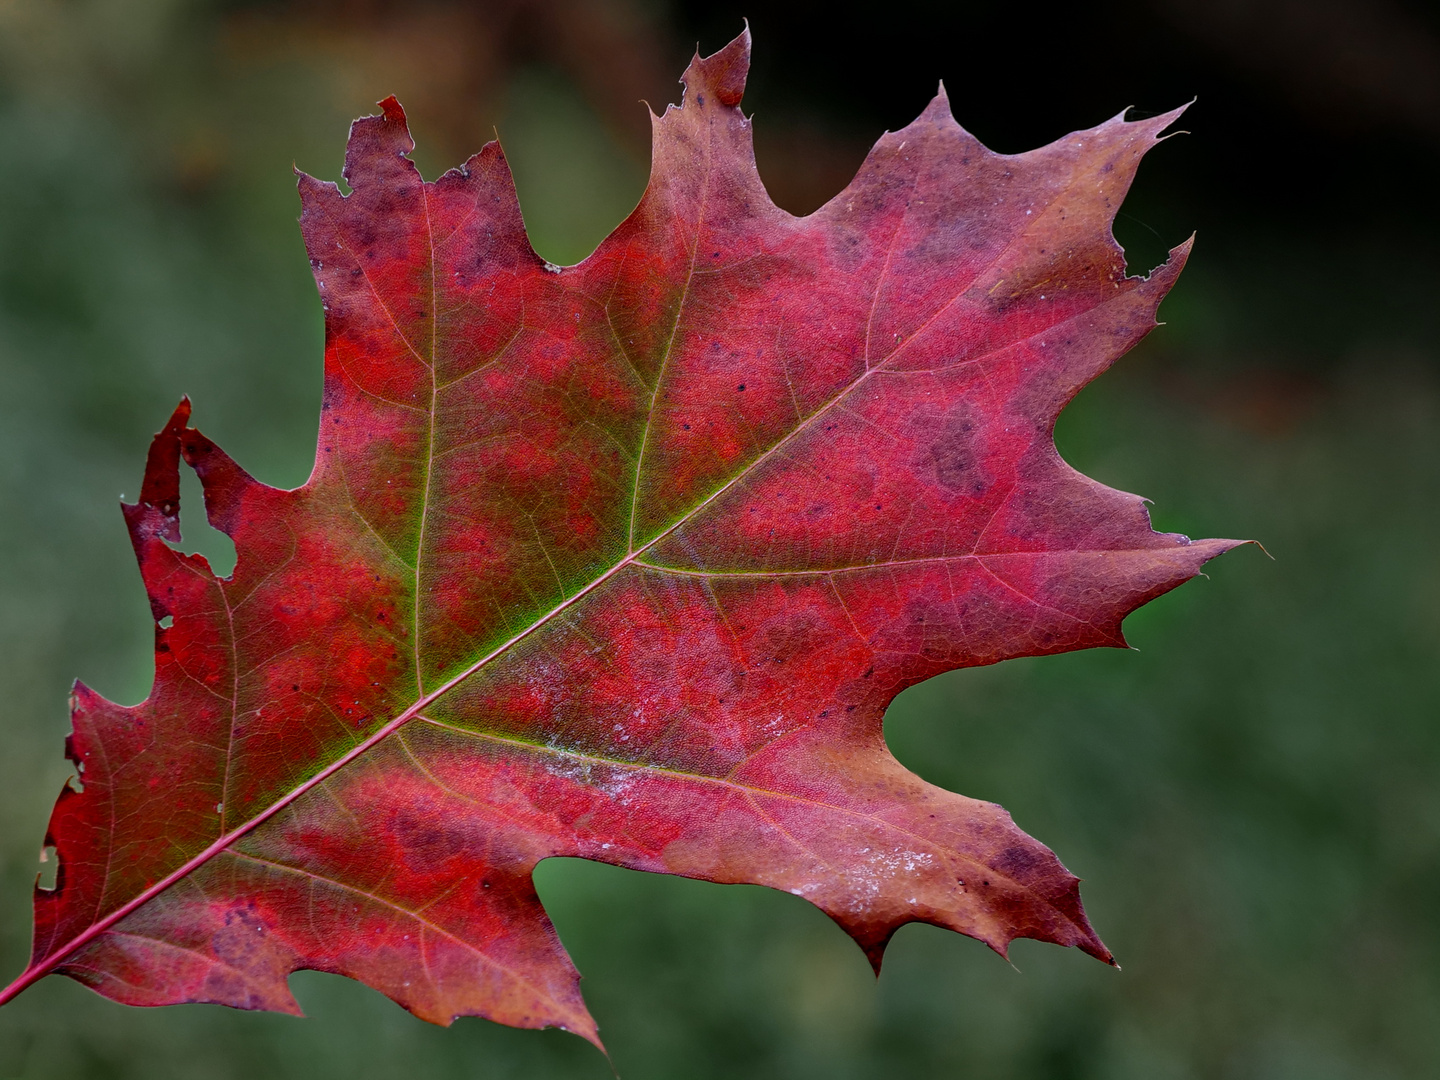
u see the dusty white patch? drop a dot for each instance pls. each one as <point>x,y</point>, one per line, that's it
<point>882,870</point>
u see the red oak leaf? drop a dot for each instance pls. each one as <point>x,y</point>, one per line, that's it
<point>622,561</point>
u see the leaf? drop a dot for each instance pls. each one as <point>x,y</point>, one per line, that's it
<point>621,561</point>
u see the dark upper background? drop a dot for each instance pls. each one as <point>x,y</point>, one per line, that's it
<point>1253,799</point>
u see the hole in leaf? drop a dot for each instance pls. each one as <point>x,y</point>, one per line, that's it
<point>75,781</point>
<point>49,868</point>
<point>197,535</point>
<point>167,622</point>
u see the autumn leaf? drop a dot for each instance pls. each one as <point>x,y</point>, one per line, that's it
<point>621,561</point>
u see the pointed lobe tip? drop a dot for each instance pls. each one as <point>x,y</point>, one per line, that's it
<point>391,109</point>
<point>379,146</point>
<point>721,74</point>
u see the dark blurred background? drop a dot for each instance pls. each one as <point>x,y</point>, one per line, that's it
<point>1253,797</point>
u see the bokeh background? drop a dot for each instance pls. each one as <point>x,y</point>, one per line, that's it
<point>1253,796</point>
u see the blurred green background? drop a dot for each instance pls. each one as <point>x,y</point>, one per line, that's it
<point>1253,797</point>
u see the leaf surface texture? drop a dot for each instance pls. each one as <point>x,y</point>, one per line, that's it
<point>623,561</point>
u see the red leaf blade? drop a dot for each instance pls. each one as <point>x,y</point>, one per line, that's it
<point>622,561</point>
